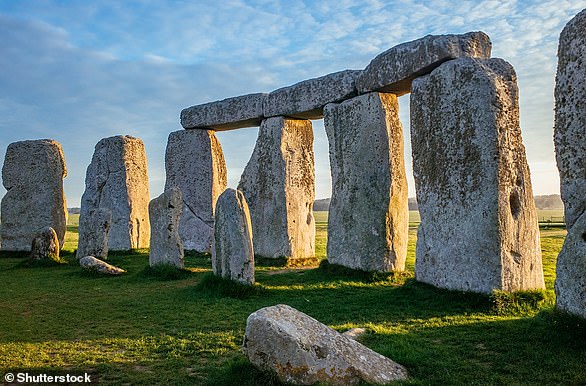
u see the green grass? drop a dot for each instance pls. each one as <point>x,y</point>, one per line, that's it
<point>186,327</point>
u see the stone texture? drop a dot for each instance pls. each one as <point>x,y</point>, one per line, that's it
<point>228,114</point>
<point>394,70</point>
<point>368,215</point>
<point>233,253</point>
<point>117,180</point>
<point>570,117</point>
<point>164,214</point>
<point>303,351</point>
<point>32,174</point>
<point>478,228</point>
<point>94,230</point>
<point>307,99</point>
<point>279,185</point>
<point>90,263</point>
<point>45,245</point>
<point>194,163</point>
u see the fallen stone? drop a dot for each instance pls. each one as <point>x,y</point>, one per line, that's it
<point>32,174</point>
<point>303,351</point>
<point>194,163</point>
<point>279,186</point>
<point>478,228</point>
<point>368,215</point>
<point>354,333</point>
<point>45,245</point>
<point>228,114</point>
<point>233,253</point>
<point>570,117</point>
<point>307,99</point>
<point>94,229</point>
<point>164,214</point>
<point>117,180</point>
<point>90,263</point>
<point>394,70</point>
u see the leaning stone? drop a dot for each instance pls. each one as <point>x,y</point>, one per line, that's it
<point>570,117</point>
<point>94,229</point>
<point>303,351</point>
<point>227,114</point>
<point>33,175</point>
<point>233,253</point>
<point>117,180</point>
<point>307,99</point>
<point>194,163</point>
<point>478,228</point>
<point>368,216</point>
<point>90,263</point>
<point>164,214</point>
<point>279,185</point>
<point>570,282</point>
<point>45,245</point>
<point>394,70</point>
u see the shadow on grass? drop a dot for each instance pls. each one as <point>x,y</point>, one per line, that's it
<point>165,272</point>
<point>212,285</point>
<point>241,372</point>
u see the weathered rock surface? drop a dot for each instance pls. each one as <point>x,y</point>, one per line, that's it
<point>279,185</point>
<point>570,117</point>
<point>233,253</point>
<point>90,263</point>
<point>394,70</point>
<point>307,99</point>
<point>32,174</point>
<point>478,228</point>
<point>117,180</point>
<point>368,214</point>
<point>228,114</point>
<point>45,245</point>
<point>164,214</point>
<point>94,230</point>
<point>570,282</point>
<point>303,351</point>
<point>194,163</point>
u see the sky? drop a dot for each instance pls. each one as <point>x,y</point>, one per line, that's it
<point>79,71</point>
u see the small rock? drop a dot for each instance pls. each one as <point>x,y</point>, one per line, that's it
<point>303,351</point>
<point>90,263</point>
<point>45,245</point>
<point>355,333</point>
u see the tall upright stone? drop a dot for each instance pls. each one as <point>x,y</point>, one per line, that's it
<point>279,185</point>
<point>32,174</point>
<point>570,147</point>
<point>93,232</point>
<point>232,252</point>
<point>164,214</point>
<point>368,215</point>
<point>194,163</point>
<point>478,228</point>
<point>117,180</point>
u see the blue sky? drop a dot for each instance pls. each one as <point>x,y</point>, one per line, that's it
<point>79,71</point>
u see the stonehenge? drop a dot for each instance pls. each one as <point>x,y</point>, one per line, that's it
<point>166,246</point>
<point>45,245</point>
<point>368,215</point>
<point>194,163</point>
<point>570,149</point>
<point>117,180</point>
<point>93,233</point>
<point>32,174</point>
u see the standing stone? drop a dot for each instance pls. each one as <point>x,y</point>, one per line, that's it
<point>478,228</point>
<point>303,351</point>
<point>279,186</point>
<point>368,217</point>
<point>570,146</point>
<point>33,175</point>
<point>117,179</point>
<point>164,214</point>
<point>233,253</point>
<point>194,163</point>
<point>94,230</point>
<point>45,245</point>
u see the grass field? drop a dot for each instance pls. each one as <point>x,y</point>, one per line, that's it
<point>141,329</point>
